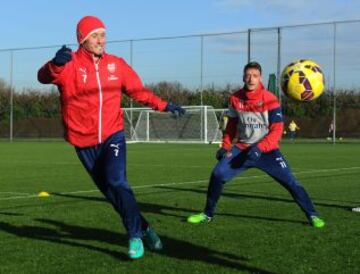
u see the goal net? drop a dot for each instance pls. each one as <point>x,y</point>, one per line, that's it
<point>200,124</point>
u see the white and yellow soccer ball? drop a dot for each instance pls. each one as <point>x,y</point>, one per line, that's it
<point>303,80</point>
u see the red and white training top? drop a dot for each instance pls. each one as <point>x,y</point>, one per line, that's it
<point>91,95</point>
<point>255,118</point>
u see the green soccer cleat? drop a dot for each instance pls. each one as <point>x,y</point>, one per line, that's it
<point>199,218</point>
<point>317,222</point>
<point>152,239</point>
<point>136,248</point>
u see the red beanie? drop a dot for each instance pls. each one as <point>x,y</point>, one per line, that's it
<point>87,26</point>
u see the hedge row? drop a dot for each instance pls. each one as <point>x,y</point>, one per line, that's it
<point>33,107</point>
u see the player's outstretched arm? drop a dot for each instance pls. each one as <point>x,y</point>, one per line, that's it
<point>50,72</point>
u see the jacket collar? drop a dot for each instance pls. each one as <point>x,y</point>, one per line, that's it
<point>83,54</point>
<point>252,95</point>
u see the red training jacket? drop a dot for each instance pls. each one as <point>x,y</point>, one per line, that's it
<point>255,118</point>
<point>91,95</point>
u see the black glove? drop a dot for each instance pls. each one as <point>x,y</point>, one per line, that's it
<point>254,154</point>
<point>220,153</point>
<point>62,56</point>
<point>175,109</point>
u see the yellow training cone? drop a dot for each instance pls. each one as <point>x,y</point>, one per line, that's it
<point>43,194</point>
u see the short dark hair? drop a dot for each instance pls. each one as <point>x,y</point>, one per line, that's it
<point>252,65</point>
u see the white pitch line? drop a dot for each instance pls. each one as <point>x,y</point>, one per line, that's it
<point>19,197</point>
<point>11,192</point>
<point>187,183</point>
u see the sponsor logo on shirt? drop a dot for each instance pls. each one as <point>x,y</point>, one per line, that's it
<point>253,123</point>
<point>255,126</point>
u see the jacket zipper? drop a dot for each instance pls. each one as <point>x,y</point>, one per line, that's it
<point>100,102</point>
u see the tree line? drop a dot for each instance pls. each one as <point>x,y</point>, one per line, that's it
<point>35,108</point>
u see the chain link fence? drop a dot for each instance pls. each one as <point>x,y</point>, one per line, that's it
<point>199,64</point>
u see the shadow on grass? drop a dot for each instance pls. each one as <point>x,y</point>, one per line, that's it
<point>187,251</point>
<point>173,247</point>
<point>73,235</point>
<point>66,234</point>
<point>176,248</point>
<point>10,213</point>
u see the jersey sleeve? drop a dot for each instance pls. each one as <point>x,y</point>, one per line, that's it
<point>50,73</point>
<point>230,133</point>
<point>134,88</point>
<point>276,125</point>
<point>231,127</point>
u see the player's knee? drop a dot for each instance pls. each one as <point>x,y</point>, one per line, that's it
<point>293,184</point>
<point>219,175</point>
<point>119,184</point>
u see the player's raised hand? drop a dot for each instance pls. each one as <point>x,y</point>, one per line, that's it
<point>62,56</point>
<point>175,109</point>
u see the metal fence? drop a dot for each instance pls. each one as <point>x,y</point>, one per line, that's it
<point>196,62</point>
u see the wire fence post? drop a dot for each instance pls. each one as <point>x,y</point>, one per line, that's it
<point>11,133</point>
<point>249,45</point>
<point>201,68</point>
<point>131,100</point>
<point>278,72</point>
<point>334,86</point>
<point>201,82</point>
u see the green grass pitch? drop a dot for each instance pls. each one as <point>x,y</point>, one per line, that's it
<point>258,228</point>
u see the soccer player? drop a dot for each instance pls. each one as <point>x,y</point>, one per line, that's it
<point>91,83</point>
<point>331,130</point>
<point>256,123</point>
<point>293,127</point>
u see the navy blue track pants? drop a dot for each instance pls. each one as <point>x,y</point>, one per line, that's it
<point>106,164</point>
<point>273,163</point>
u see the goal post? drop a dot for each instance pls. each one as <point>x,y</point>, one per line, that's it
<point>200,124</point>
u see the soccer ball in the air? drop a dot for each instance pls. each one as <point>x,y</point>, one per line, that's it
<point>303,80</point>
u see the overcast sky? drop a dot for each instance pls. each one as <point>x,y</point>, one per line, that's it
<point>41,22</point>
